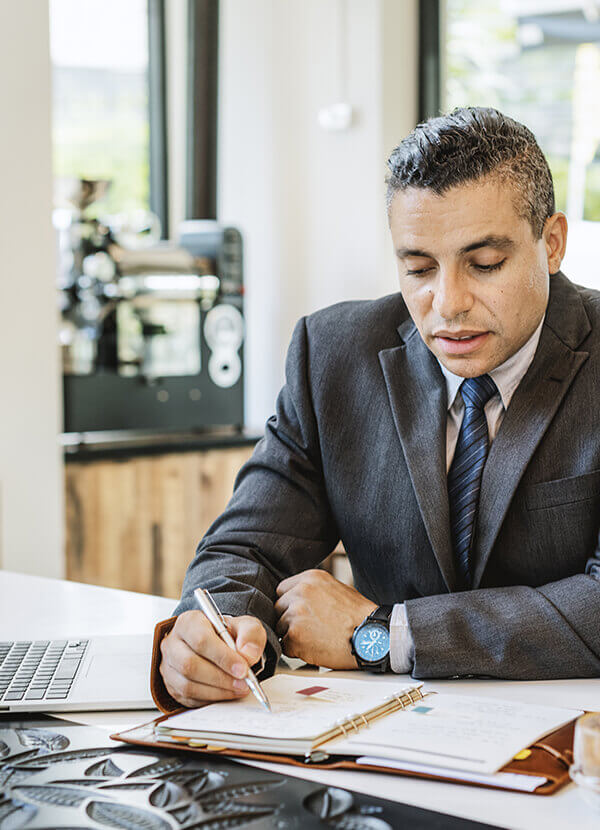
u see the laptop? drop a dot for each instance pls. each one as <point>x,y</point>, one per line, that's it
<point>76,674</point>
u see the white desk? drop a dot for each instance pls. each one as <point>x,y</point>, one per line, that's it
<point>32,605</point>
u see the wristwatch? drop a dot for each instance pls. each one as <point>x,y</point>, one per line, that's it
<point>370,642</point>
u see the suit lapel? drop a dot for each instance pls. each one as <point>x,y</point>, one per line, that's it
<point>417,395</point>
<point>530,412</point>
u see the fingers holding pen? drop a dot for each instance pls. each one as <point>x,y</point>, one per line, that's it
<point>196,665</point>
<point>249,635</point>
<point>200,636</point>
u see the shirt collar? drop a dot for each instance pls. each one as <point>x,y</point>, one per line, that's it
<point>507,376</point>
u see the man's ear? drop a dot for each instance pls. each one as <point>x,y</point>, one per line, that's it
<point>555,240</point>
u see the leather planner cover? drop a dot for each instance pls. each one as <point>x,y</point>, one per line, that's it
<point>549,758</point>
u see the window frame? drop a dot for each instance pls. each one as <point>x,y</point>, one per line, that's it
<point>430,59</point>
<point>157,114</point>
<point>202,109</point>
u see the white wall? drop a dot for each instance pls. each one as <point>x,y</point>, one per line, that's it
<point>309,203</point>
<point>583,241</point>
<point>30,460</point>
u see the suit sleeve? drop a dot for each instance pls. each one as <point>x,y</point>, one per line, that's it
<point>517,633</point>
<point>278,521</point>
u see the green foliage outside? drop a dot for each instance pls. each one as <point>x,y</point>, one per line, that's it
<point>560,175</point>
<point>100,154</point>
<point>592,192</point>
<point>101,131</point>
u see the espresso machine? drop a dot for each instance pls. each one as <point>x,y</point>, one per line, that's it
<point>151,332</point>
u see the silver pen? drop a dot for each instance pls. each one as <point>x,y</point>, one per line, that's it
<point>214,616</point>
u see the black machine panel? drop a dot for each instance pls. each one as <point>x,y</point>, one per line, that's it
<point>156,343</point>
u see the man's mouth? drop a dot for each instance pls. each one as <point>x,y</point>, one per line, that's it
<point>466,337</point>
<point>463,342</point>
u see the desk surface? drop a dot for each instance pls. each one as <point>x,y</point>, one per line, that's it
<point>31,605</point>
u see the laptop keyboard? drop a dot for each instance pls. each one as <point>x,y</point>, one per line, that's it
<point>39,669</point>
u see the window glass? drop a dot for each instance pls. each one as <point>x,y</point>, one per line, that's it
<point>99,52</point>
<point>539,62</point>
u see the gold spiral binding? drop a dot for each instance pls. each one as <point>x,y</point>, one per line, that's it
<point>419,695</point>
<point>393,703</point>
<point>400,699</point>
<point>350,720</point>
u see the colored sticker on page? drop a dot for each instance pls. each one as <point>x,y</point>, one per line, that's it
<point>325,694</point>
<point>311,690</point>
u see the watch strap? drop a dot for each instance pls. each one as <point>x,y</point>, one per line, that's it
<point>382,613</point>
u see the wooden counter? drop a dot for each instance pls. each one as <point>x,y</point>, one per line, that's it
<point>134,521</point>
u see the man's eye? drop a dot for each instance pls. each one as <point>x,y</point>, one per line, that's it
<point>417,271</point>
<point>494,267</point>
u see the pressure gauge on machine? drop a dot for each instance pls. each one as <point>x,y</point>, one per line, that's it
<point>224,334</point>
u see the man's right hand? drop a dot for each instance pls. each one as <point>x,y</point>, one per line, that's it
<point>197,667</point>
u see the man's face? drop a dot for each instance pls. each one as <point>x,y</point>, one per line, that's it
<point>474,278</point>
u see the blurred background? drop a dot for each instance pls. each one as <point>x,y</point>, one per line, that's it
<point>181,180</point>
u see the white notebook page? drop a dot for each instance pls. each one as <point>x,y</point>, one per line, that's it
<point>303,707</point>
<point>457,732</point>
<point>512,780</point>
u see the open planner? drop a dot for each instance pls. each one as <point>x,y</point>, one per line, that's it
<point>337,722</point>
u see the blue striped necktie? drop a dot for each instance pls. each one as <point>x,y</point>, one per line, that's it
<point>464,476</point>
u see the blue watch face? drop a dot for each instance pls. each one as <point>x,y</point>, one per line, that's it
<point>372,642</point>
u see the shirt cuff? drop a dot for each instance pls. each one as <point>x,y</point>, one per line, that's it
<point>402,647</point>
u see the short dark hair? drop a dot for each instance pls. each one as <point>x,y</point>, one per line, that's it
<point>468,144</point>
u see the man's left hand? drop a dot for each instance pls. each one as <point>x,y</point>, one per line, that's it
<point>317,615</point>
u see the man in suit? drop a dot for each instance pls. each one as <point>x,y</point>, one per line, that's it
<point>448,434</point>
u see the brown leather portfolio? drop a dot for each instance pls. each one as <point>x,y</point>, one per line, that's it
<point>549,758</point>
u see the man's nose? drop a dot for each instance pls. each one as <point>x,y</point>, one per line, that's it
<point>452,295</point>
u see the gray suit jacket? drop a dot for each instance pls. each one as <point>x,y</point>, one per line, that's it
<point>356,450</point>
